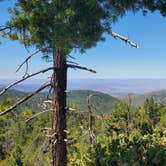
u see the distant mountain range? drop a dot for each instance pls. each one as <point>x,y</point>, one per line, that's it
<point>114,87</point>
<point>139,99</point>
<point>78,99</point>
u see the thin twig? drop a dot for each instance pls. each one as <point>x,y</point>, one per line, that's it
<point>75,140</point>
<point>72,62</point>
<point>81,68</point>
<point>125,39</point>
<point>71,57</point>
<point>24,78</point>
<point>24,99</point>
<point>27,68</point>
<point>36,115</point>
<point>27,59</point>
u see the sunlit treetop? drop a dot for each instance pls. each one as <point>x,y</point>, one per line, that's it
<point>68,24</point>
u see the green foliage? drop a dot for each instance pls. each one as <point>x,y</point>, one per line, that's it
<point>126,136</point>
<point>75,99</point>
<point>70,24</point>
<point>16,156</point>
<point>61,24</point>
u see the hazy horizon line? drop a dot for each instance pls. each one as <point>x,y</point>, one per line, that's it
<point>90,78</point>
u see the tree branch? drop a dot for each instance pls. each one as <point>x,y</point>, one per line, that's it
<point>36,115</point>
<point>3,28</point>
<point>125,39</point>
<point>28,58</point>
<point>81,68</point>
<point>24,78</point>
<point>24,99</point>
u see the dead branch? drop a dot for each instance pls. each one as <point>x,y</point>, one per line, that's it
<point>72,62</point>
<point>81,68</point>
<point>89,98</point>
<point>27,59</point>
<point>23,79</point>
<point>71,57</point>
<point>92,137</point>
<point>3,28</point>
<point>24,99</point>
<point>125,39</point>
<point>26,70</point>
<point>75,140</point>
<point>72,141</point>
<point>34,116</point>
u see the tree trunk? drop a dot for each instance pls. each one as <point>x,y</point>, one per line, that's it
<point>59,150</point>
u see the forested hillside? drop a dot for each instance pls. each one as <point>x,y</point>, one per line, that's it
<point>126,136</point>
<point>76,99</point>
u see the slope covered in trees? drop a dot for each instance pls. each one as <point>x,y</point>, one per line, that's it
<point>75,99</point>
<point>123,137</point>
<point>59,27</point>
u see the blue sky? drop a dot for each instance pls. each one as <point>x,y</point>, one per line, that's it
<point>111,59</point>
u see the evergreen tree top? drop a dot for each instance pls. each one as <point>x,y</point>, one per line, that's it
<point>70,24</point>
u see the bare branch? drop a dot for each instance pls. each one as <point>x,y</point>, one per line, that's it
<point>28,58</point>
<point>24,78</point>
<point>27,68</point>
<point>72,62</point>
<point>75,140</point>
<point>72,141</point>
<point>3,28</point>
<point>92,137</point>
<point>71,57</point>
<point>34,116</point>
<point>125,39</point>
<point>24,99</point>
<point>81,67</point>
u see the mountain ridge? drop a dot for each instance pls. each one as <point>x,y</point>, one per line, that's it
<point>76,99</point>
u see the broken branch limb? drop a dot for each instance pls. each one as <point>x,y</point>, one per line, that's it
<point>34,116</point>
<point>81,68</point>
<point>125,39</point>
<point>24,78</point>
<point>24,99</point>
<point>72,141</point>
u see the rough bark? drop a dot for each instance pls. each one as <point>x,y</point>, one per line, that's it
<point>59,150</point>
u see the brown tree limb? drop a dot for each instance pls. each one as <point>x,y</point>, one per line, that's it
<point>24,78</point>
<point>125,39</point>
<point>24,99</point>
<point>81,68</point>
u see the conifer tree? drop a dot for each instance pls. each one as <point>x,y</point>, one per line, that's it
<point>56,27</point>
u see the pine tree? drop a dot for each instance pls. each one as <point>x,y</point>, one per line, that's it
<point>57,27</point>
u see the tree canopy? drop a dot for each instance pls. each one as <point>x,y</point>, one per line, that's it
<point>70,24</point>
